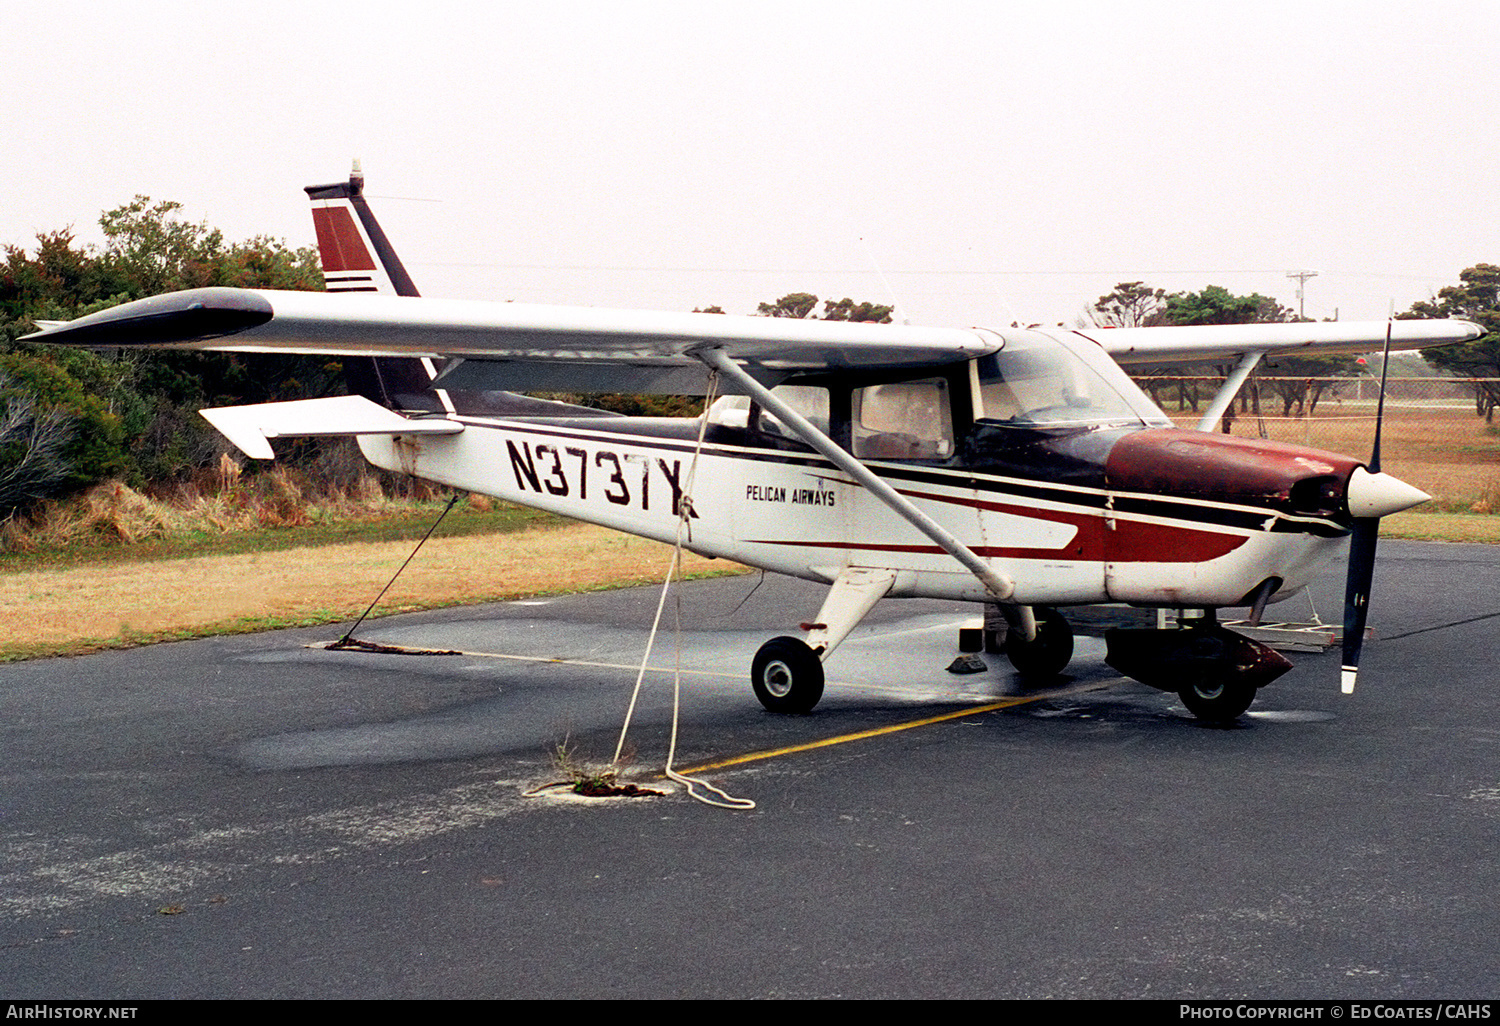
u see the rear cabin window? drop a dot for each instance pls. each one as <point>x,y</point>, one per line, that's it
<point>738,412</point>
<point>811,401</point>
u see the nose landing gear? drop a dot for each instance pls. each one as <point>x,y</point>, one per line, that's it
<point>1215,671</point>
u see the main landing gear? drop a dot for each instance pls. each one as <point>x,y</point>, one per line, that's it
<point>1214,671</point>
<point>787,673</point>
<point>787,676</point>
<point>1048,651</point>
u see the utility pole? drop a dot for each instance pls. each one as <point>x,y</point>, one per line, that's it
<point>1301,277</point>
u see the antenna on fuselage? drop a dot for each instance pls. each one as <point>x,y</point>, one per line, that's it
<point>898,309</point>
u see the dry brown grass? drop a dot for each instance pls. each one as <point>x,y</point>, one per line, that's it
<point>220,503</point>
<point>119,604</point>
<point>1447,452</point>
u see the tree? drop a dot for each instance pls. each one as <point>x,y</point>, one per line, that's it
<point>847,309</point>
<point>794,304</point>
<point>1476,298</point>
<point>1217,305</point>
<point>153,249</point>
<point>152,397</point>
<point>802,304</point>
<point>61,282</point>
<point>1132,304</point>
<point>54,436</point>
<point>32,462</point>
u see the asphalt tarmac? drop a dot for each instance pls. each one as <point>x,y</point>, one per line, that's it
<point>253,817</point>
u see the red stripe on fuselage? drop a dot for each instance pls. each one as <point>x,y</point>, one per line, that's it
<point>1129,541</point>
<point>1135,543</point>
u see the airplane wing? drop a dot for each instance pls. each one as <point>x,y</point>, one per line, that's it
<point>512,346</point>
<point>519,347</point>
<point>1207,342</point>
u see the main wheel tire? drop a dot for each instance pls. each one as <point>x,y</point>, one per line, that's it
<point>1217,701</point>
<point>1049,653</point>
<point>787,676</point>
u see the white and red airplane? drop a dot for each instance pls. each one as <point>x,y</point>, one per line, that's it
<point>1016,467</point>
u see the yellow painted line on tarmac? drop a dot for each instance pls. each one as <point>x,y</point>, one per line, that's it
<point>974,710</point>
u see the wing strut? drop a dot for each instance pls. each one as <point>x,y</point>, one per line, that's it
<point>1231,388</point>
<point>997,583</point>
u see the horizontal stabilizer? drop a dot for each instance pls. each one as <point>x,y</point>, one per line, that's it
<point>250,427</point>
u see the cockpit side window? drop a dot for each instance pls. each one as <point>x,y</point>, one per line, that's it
<point>903,420</point>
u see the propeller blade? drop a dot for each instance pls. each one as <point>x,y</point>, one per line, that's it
<point>1357,595</point>
<point>1371,496</point>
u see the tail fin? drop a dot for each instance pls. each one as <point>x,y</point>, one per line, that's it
<point>357,257</point>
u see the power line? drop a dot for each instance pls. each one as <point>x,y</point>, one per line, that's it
<point>991,272</point>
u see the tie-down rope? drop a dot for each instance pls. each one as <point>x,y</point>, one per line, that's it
<point>717,798</point>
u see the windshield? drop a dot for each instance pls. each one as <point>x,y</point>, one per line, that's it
<point>1043,381</point>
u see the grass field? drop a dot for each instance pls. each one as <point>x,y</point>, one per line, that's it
<point>87,605</point>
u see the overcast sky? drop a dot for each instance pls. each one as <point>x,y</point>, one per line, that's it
<point>998,161</point>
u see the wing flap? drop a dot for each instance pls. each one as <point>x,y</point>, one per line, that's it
<point>251,427</point>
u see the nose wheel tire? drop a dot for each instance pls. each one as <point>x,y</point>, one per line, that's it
<point>787,676</point>
<point>1217,701</point>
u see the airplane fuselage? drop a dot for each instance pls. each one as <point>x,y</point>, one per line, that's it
<point>1084,526</point>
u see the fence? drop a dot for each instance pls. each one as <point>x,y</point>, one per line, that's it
<point>1436,433</point>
